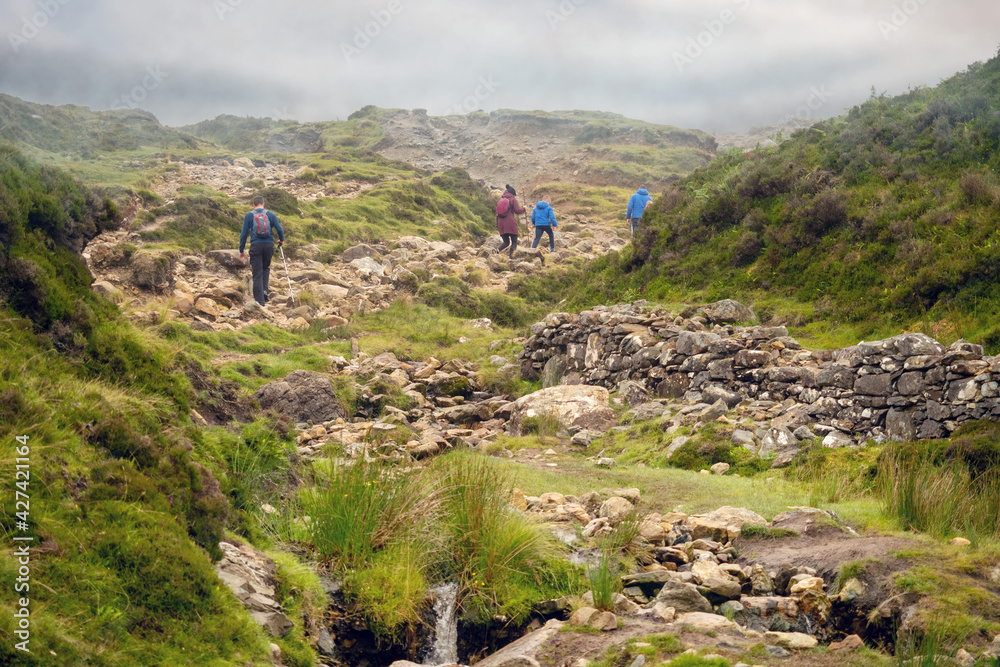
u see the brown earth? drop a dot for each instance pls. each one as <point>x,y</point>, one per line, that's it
<point>825,549</point>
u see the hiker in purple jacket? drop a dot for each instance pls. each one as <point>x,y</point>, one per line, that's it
<point>507,223</point>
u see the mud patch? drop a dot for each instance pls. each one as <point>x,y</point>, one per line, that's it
<point>219,401</point>
<point>825,549</point>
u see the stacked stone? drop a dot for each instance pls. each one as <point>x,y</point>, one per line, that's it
<point>905,387</point>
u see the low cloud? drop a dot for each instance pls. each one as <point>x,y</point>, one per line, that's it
<point>715,64</point>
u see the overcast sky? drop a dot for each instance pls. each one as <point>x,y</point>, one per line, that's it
<point>709,64</point>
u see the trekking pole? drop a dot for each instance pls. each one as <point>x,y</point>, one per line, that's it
<point>287,277</point>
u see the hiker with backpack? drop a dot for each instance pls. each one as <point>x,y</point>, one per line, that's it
<point>507,211</point>
<point>259,226</point>
<point>544,219</point>
<point>637,203</point>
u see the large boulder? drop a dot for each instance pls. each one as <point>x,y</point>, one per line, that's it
<point>684,598</point>
<point>723,524</point>
<point>573,406</point>
<point>615,510</point>
<point>728,311</point>
<point>414,243</point>
<point>230,259</point>
<point>302,395</point>
<point>524,651</point>
<point>357,252</point>
<point>368,267</point>
<point>333,293</point>
<point>152,271</point>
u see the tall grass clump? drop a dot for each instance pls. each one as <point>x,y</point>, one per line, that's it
<point>492,550</point>
<point>603,574</point>
<point>361,507</point>
<point>391,592</point>
<point>945,487</point>
<point>924,650</point>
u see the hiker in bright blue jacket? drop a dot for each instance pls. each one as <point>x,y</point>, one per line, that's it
<point>259,226</point>
<point>544,219</point>
<point>637,203</point>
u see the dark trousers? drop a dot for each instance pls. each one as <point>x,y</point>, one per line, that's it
<point>260,265</point>
<point>538,237</point>
<point>508,240</point>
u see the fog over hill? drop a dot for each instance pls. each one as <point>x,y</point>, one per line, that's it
<point>715,64</point>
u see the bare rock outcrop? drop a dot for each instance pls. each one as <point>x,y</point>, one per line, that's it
<point>303,395</point>
<point>576,406</point>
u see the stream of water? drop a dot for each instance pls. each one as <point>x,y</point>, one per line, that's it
<point>444,651</point>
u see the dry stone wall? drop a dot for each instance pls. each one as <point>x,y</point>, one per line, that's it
<point>902,388</point>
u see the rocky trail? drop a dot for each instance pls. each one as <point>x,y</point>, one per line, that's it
<point>211,292</point>
<point>602,371</point>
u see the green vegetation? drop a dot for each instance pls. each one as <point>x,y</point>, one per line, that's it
<point>360,508</point>
<point>881,220</point>
<point>396,533</point>
<point>443,206</point>
<point>463,301</point>
<point>767,532</point>
<point>604,577</point>
<point>417,331</point>
<point>82,133</point>
<point>126,519</point>
<point>653,647</point>
<point>945,487</point>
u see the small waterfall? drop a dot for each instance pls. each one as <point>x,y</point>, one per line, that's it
<point>445,648</point>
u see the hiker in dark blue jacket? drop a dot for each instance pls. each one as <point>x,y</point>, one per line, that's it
<point>259,226</point>
<point>637,203</point>
<point>544,219</point>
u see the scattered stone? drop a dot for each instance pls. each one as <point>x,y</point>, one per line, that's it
<point>229,259</point>
<point>683,598</point>
<point>303,395</point>
<point>576,406</point>
<point>792,641</point>
<point>847,644</point>
<point>705,622</point>
<point>728,311</point>
<point>615,510</point>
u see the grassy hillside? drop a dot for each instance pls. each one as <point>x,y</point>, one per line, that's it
<point>77,131</point>
<point>880,220</point>
<point>125,507</point>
